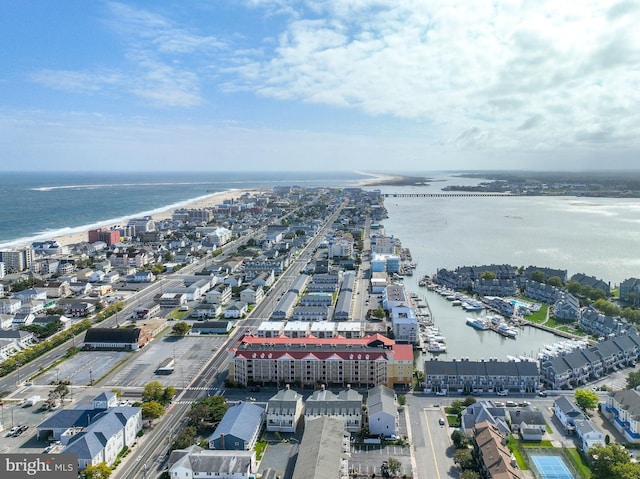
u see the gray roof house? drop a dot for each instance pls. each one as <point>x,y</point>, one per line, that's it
<point>529,423</point>
<point>321,450</point>
<point>567,413</point>
<point>239,428</point>
<point>482,411</point>
<point>195,461</point>
<point>284,410</point>
<point>94,432</point>
<point>382,411</point>
<point>589,434</point>
<point>347,405</point>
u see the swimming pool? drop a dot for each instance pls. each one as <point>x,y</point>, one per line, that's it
<point>551,467</point>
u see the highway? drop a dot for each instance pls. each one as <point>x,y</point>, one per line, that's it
<point>148,458</point>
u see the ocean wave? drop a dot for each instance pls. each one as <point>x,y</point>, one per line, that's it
<point>121,220</point>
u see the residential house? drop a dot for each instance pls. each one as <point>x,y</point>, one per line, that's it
<point>284,411</point>
<point>529,424</point>
<point>492,454</point>
<point>220,294</point>
<point>22,319</point>
<point>342,310</point>
<point>484,411</point>
<point>236,310</point>
<point>622,410</point>
<point>382,411</point>
<point>346,405</point>
<point>253,294</point>
<point>197,463</point>
<point>264,279</point>
<point>146,311</point>
<point>594,322</point>
<point>141,276</point>
<point>567,307</point>
<point>322,452</point>
<point>205,310</point>
<point>589,434</point>
<point>310,313</point>
<point>592,282</point>
<point>541,292</point>
<point>567,413</point>
<point>404,324</point>
<point>239,429</point>
<point>97,433</point>
<point>630,292</point>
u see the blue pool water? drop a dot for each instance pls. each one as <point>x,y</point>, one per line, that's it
<point>552,467</point>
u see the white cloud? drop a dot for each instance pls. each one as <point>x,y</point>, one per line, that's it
<point>508,75</point>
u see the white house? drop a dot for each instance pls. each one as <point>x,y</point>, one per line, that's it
<point>195,462</point>
<point>589,434</point>
<point>567,413</point>
<point>622,409</point>
<point>95,434</point>
<point>284,410</point>
<point>382,411</point>
<point>236,310</point>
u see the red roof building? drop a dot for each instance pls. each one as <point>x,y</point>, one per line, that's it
<point>367,361</point>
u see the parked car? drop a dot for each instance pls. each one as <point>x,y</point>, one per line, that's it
<point>503,393</point>
<point>542,394</point>
<point>441,421</point>
<point>12,431</point>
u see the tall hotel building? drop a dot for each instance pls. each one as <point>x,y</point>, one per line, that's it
<point>364,362</point>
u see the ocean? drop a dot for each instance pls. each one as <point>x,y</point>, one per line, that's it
<point>39,206</point>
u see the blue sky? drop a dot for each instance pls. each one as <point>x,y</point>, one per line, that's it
<point>384,85</point>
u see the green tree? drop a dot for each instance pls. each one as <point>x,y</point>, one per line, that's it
<point>627,470</point>
<point>99,471</point>
<point>152,410</point>
<point>402,399</point>
<point>555,281</point>
<point>633,379</point>
<point>168,394</point>
<point>586,399</point>
<point>537,276</point>
<point>463,458</point>
<point>573,287</point>
<point>117,392</point>
<point>459,439</point>
<point>394,466</point>
<point>488,275</point>
<point>153,391</point>
<point>606,459</point>
<point>379,313</point>
<point>468,401</point>
<point>207,412</point>
<point>469,474</point>
<point>181,328</point>
<point>185,438</point>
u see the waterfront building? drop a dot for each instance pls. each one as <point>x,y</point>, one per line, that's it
<point>592,282</point>
<point>548,273</point>
<point>404,324</point>
<point>594,322</point>
<point>567,307</point>
<point>16,260</point>
<point>542,292</point>
<point>107,236</point>
<point>495,287</point>
<point>469,377</point>
<point>630,291</point>
<point>622,410</point>
<point>370,360</point>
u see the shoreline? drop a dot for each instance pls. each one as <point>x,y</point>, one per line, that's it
<point>79,234</point>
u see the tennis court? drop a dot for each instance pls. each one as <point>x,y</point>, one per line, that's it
<point>551,467</point>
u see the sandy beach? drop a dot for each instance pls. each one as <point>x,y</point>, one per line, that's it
<point>209,201</point>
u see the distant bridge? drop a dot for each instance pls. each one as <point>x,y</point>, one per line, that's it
<point>445,195</point>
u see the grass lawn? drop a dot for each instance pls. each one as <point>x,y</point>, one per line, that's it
<point>578,463</point>
<point>260,448</point>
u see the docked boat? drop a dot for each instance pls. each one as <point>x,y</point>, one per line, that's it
<point>478,323</point>
<point>472,305</point>
<point>507,330</point>
<point>436,347</point>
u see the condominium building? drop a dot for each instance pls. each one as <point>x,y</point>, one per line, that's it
<point>367,361</point>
